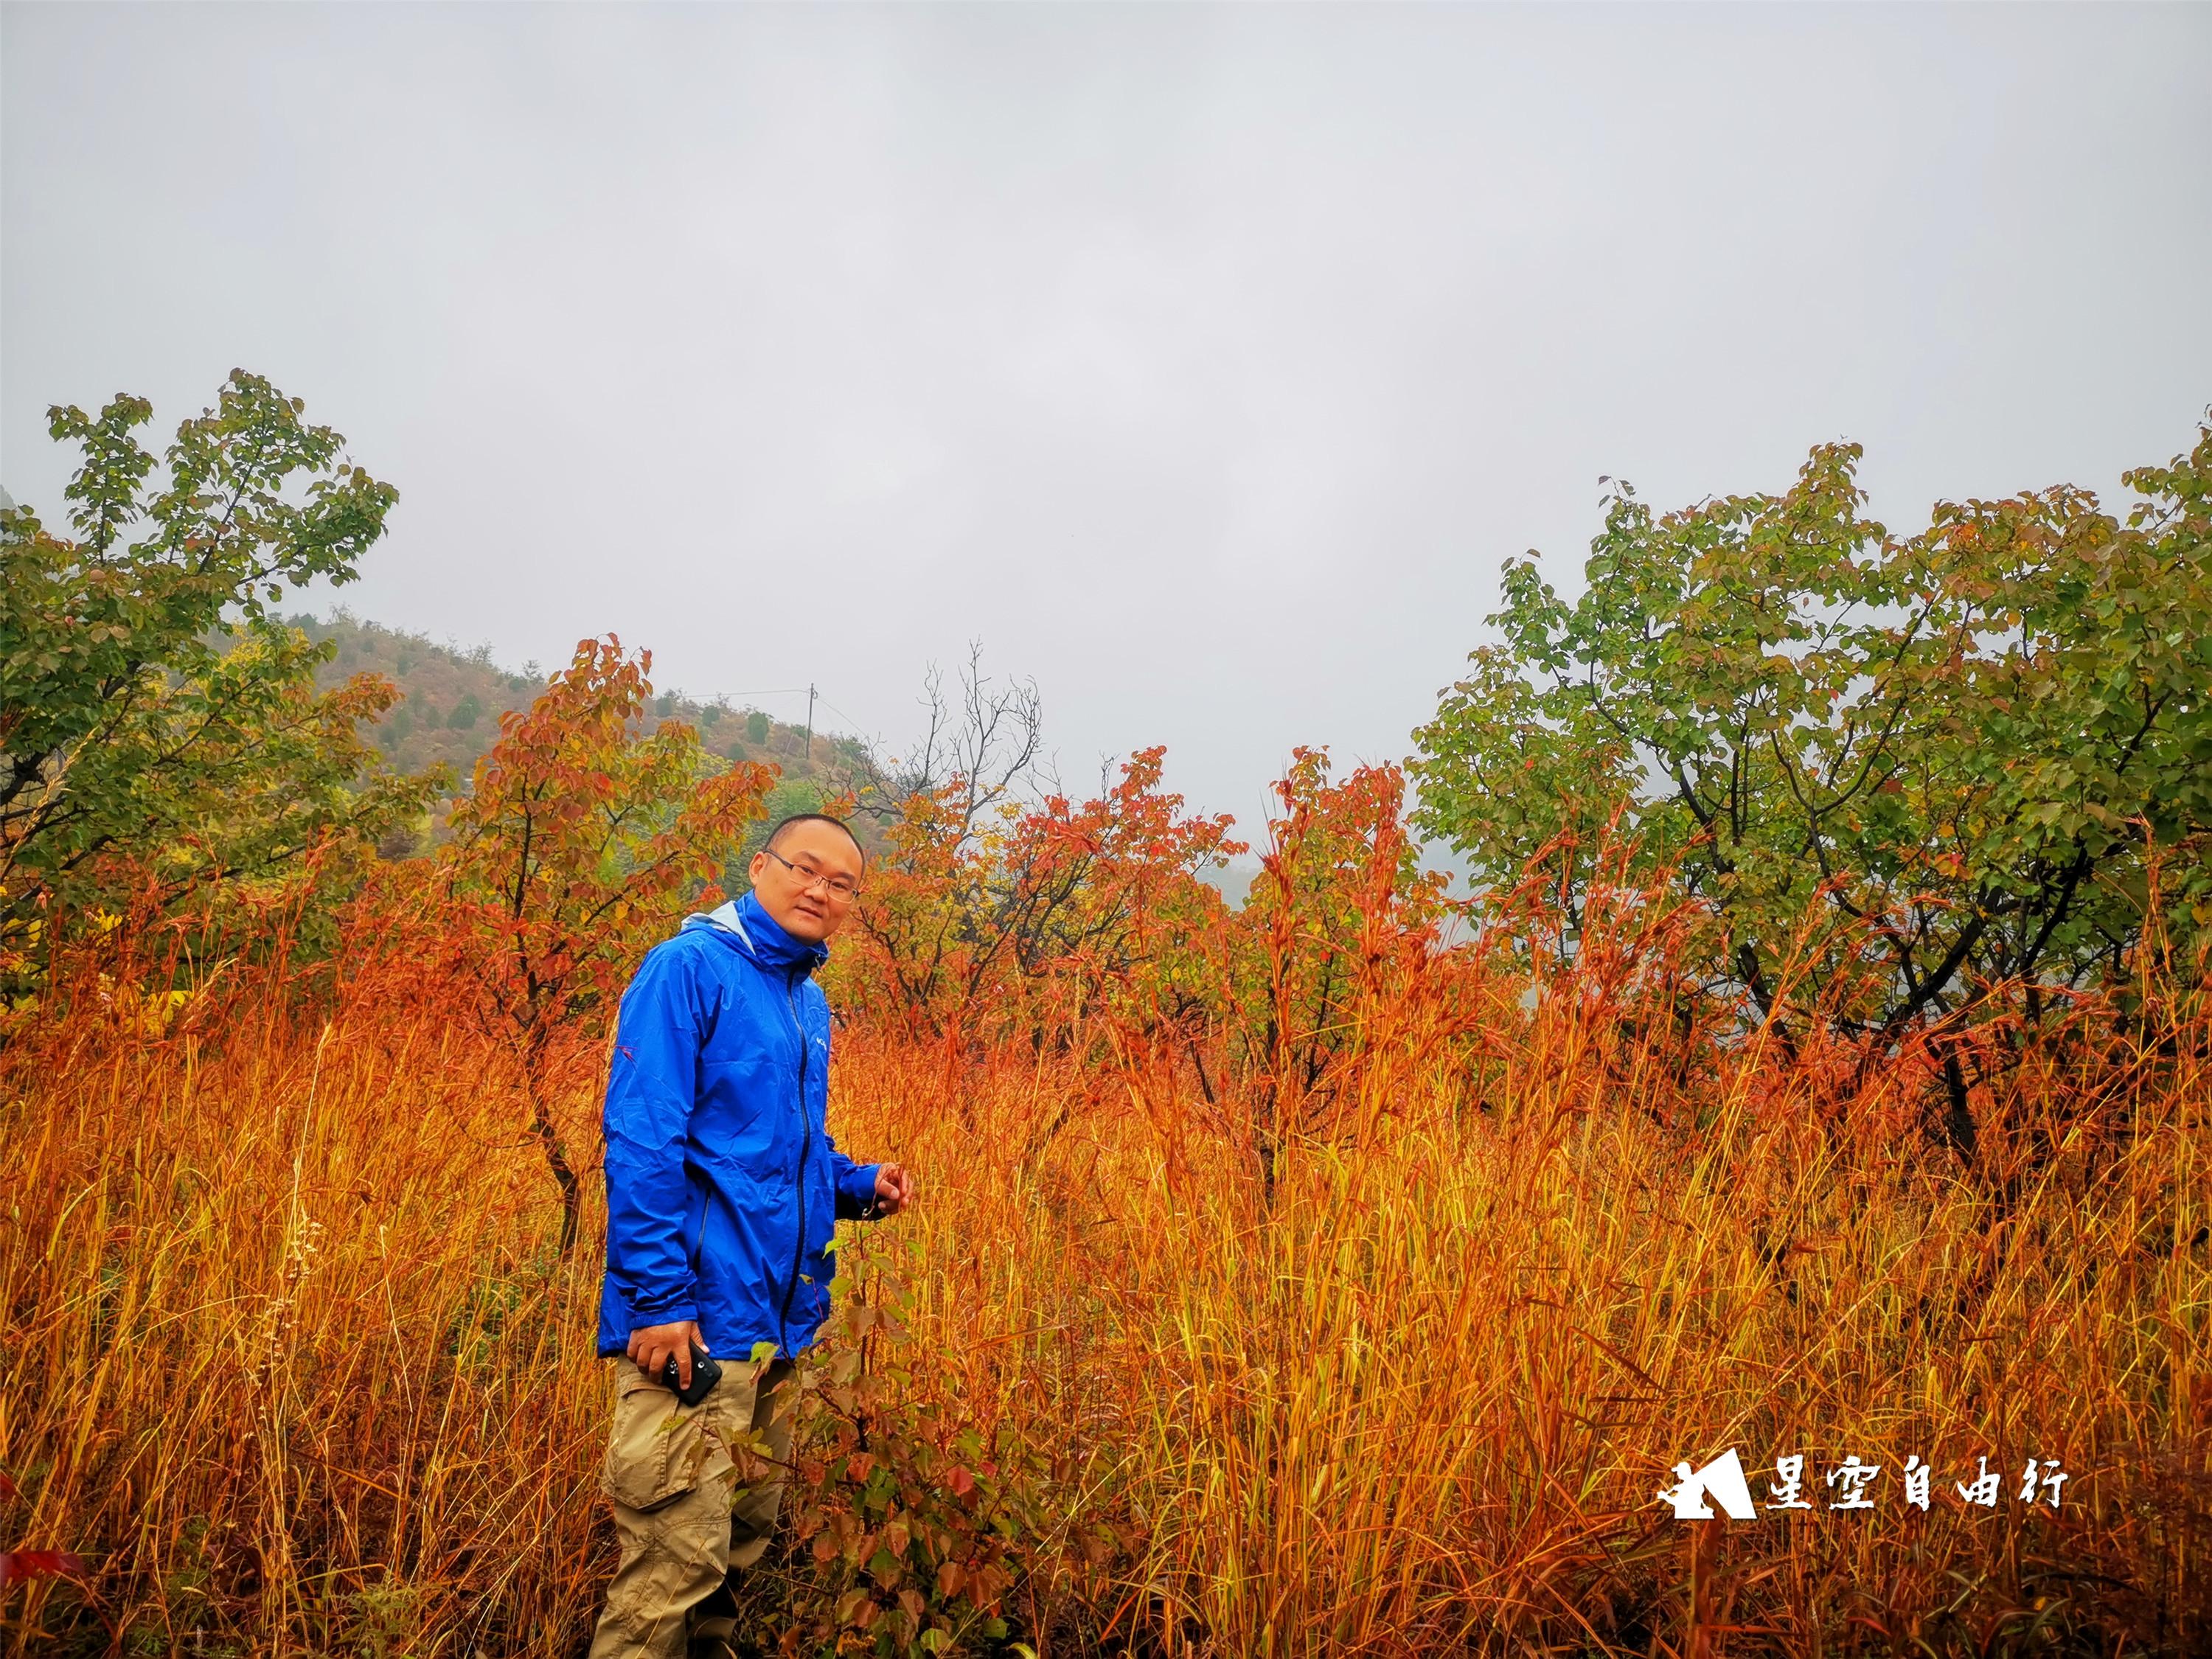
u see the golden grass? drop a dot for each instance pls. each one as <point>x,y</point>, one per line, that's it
<point>290,1359</point>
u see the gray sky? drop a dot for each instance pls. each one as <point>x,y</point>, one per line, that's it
<point>1204,363</point>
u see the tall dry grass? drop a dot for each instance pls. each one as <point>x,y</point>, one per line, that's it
<point>291,1361</point>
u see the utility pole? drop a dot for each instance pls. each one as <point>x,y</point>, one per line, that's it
<point>810,723</point>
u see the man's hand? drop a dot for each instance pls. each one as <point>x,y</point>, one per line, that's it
<point>893,1189</point>
<point>652,1346</point>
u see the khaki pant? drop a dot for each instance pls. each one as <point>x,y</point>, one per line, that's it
<point>693,1503</point>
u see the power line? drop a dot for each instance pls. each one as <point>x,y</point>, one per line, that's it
<point>813,692</point>
<point>842,716</point>
<point>813,695</point>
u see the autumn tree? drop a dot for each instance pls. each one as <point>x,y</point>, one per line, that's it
<point>969,929</point>
<point>938,812</point>
<point>153,713</point>
<point>1915,772</point>
<point>581,846</point>
<point>994,887</point>
<point>1338,926</point>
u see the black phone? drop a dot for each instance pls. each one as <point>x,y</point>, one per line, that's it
<point>705,1373</point>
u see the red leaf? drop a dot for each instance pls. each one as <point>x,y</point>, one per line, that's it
<point>960,1480</point>
<point>8,1488</point>
<point>38,1563</point>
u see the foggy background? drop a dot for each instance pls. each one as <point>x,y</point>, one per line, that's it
<point>1203,363</point>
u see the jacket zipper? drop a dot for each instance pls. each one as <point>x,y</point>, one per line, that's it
<point>805,1157</point>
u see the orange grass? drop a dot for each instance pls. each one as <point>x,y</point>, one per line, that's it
<point>290,1359</point>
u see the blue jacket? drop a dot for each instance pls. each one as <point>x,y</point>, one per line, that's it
<point>723,1188</point>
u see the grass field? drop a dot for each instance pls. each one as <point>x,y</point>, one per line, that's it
<point>291,1363</point>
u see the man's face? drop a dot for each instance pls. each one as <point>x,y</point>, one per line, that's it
<point>798,883</point>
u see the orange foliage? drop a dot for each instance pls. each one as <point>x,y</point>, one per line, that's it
<point>581,844</point>
<point>1337,1274</point>
<point>1019,927</point>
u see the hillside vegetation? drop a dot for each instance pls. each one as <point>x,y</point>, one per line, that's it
<point>450,702</point>
<point>1823,1076</point>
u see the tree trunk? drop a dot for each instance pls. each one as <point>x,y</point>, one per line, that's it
<point>1958,1109</point>
<point>556,1156</point>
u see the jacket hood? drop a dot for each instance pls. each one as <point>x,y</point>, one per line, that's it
<point>753,933</point>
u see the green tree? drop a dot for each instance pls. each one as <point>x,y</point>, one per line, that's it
<point>1953,756</point>
<point>151,709</point>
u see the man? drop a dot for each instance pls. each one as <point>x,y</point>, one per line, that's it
<point>723,1194</point>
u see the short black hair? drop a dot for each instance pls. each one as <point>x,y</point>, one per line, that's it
<point>776,834</point>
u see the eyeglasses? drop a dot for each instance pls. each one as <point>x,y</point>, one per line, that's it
<point>843,888</point>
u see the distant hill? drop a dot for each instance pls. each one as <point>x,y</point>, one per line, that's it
<point>451,701</point>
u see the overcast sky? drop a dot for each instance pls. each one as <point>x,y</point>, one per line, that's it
<point>1204,363</point>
